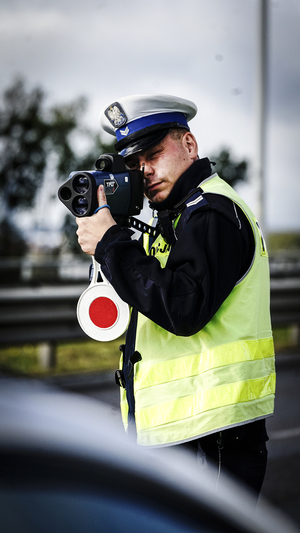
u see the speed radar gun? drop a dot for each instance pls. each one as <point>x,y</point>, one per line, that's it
<point>101,313</point>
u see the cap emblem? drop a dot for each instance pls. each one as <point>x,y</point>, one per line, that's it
<point>116,115</point>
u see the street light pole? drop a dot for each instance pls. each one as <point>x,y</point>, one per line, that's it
<point>262,75</point>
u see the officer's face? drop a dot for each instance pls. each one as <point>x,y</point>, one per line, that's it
<point>164,164</point>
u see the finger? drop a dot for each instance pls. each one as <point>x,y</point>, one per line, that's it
<point>101,196</point>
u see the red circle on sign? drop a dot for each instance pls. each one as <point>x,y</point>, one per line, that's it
<point>103,312</point>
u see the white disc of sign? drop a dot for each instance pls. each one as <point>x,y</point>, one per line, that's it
<point>101,313</point>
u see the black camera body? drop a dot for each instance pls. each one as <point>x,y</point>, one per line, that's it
<point>123,188</point>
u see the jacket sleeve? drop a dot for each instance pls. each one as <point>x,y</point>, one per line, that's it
<point>203,267</point>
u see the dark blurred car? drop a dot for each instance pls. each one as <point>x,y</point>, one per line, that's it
<point>67,467</point>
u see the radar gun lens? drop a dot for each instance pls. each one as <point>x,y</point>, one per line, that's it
<point>80,205</point>
<point>81,184</point>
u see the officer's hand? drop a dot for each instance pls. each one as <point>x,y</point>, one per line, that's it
<point>91,229</point>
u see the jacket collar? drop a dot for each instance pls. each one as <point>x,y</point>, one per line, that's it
<point>190,179</point>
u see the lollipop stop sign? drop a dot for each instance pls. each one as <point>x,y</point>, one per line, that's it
<point>101,313</point>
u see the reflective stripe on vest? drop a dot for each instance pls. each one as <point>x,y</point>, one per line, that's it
<point>205,400</point>
<point>222,376</point>
<point>191,365</point>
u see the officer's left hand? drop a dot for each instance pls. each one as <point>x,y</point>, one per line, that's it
<point>91,229</point>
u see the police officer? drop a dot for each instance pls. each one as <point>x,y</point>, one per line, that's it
<point>198,365</point>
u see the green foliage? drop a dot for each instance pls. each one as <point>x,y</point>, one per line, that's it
<point>34,138</point>
<point>29,135</point>
<point>71,357</point>
<point>22,151</point>
<point>228,169</point>
<point>284,242</point>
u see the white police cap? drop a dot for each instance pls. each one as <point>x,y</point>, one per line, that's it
<point>141,121</point>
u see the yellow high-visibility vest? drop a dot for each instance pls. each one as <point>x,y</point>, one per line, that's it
<point>218,378</point>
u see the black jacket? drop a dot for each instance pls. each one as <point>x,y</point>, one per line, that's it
<point>213,251</point>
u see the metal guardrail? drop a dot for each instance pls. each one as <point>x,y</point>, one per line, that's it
<point>39,314</point>
<point>285,301</point>
<point>48,314</point>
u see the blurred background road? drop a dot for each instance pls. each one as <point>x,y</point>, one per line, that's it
<point>282,482</point>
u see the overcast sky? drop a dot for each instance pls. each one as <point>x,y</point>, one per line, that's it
<point>202,50</point>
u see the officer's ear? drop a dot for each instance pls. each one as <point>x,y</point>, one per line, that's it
<point>190,143</point>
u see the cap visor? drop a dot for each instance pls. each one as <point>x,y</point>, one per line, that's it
<point>144,143</point>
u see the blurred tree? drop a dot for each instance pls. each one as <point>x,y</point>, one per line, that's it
<point>228,169</point>
<point>32,137</point>
<point>28,135</point>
